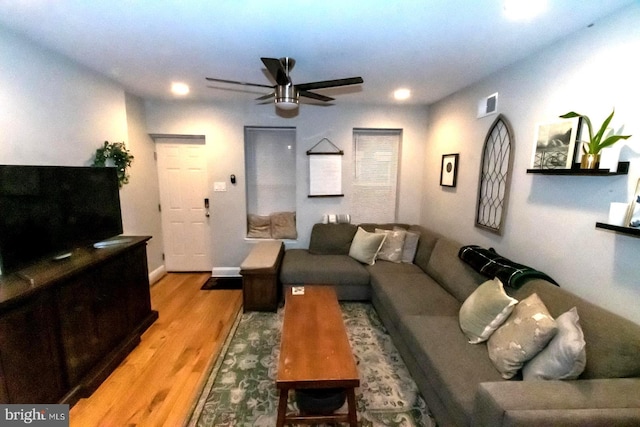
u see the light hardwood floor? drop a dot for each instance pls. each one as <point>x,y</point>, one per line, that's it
<point>158,382</point>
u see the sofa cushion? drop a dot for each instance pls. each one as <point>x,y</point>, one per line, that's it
<point>485,310</point>
<point>300,267</point>
<point>404,289</point>
<point>525,333</point>
<point>564,357</point>
<point>455,367</point>
<point>365,246</point>
<point>331,239</point>
<point>609,355</point>
<point>451,272</point>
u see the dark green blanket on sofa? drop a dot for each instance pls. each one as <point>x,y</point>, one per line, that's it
<point>491,264</point>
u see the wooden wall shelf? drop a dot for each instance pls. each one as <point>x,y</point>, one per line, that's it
<point>619,229</point>
<point>623,169</point>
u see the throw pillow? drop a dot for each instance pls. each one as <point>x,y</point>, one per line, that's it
<point>525,333</point>
<point>410,247</point>
<point>365,246</point>
<point>283,225</point>
<point>485,310</point>
<point>259,226</point>
<point>565,356</point>
<point>392,247</point>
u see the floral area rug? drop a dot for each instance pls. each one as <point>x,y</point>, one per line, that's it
<point>241,389</point>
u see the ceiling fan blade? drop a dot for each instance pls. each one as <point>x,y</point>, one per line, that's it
<point>211,79</point>
<point>330,83</point>
<point>267,96</point>
<point>276,69</point>
<point>315,95</point>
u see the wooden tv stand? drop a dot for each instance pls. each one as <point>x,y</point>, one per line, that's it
<point>65,325</point>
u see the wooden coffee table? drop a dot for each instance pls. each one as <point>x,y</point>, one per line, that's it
<point>315,353</point>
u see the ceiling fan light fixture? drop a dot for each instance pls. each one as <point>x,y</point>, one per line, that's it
<point>287,97</point>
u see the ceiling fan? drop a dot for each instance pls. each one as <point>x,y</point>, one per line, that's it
<point>287,94</point>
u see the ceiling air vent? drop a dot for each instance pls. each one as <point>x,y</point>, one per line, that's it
<point>488,105</point>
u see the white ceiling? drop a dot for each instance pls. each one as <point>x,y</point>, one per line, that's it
<point>433,47</point>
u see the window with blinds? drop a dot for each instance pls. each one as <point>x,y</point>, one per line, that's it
<point>270,165</point>
<point>375,180</point>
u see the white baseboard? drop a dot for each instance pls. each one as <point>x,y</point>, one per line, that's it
<point>157,274</point>
<point>225,272</point>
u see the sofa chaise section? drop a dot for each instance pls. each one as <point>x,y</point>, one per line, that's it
<point>419,304</point>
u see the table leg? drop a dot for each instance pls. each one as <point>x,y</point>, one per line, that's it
<point>351,404</point>
<point>282,406</point>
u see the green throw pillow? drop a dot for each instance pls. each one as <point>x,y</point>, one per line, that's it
<point>485,310</point>
<point>365,246</point>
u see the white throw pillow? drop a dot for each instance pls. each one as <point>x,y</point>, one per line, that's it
<point>410,247</point>
<point>525,333</point>
<point>485,310</point>
<point>391,249</point>
<point>365,246</point>
<point>564,358</point>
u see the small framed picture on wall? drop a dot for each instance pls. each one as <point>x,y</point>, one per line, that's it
<point>449,170</point>
<point>555,144</point>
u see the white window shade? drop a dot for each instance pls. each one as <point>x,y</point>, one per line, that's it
<point>270,160</point>
<point>375,182</point>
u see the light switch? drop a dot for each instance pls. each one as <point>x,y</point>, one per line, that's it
<point>219,186</point>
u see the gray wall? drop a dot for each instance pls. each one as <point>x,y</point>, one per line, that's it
<point>551,220</point>
<point>223,127</point>
<point>54,112</point>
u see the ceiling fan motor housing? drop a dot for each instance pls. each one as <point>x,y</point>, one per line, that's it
<point>287,97</point>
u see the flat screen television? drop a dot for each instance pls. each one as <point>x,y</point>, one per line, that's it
<point>48,211</point>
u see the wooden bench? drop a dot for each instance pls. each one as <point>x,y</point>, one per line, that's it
<point>260,272</point>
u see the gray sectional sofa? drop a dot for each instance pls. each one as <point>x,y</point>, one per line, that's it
<point>419,304</point>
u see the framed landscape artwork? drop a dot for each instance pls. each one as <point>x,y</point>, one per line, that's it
<point>555,144</point>
<point>449,171</point>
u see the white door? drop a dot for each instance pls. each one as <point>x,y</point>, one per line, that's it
<point>182,174</point>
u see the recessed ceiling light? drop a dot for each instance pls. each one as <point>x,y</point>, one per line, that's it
<point>522,10</point>
<point>402,94</point>
<point>179,88</point>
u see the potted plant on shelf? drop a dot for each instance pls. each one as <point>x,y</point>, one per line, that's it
<point>591,148</point>
<point>115,154</point>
